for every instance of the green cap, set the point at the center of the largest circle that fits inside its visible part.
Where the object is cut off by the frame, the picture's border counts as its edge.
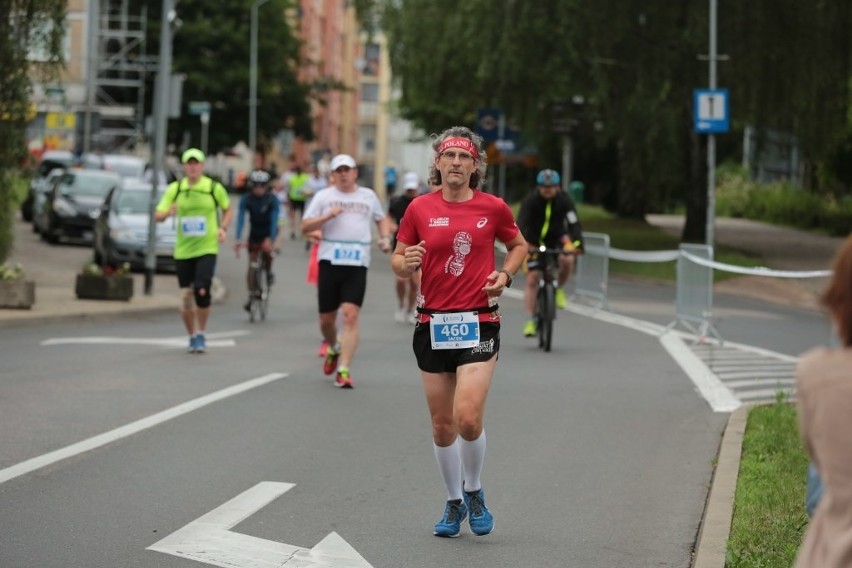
(192, 154)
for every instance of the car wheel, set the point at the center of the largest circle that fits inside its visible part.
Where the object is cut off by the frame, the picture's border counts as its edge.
(51, 236)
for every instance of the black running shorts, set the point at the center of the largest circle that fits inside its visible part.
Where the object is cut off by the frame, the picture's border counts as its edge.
(337, 284)
(196, 272)
(447, 360)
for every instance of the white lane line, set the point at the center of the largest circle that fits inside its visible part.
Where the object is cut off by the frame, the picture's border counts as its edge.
(718, 396)
(221, 339)
(39, 462)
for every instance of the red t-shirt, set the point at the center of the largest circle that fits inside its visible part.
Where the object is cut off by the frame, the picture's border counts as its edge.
(459, 246)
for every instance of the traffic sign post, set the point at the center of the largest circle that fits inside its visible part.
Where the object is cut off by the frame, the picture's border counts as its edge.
(198, 108)
(711, 111)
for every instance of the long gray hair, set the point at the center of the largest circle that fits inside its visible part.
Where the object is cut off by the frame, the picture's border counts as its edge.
(477, 178)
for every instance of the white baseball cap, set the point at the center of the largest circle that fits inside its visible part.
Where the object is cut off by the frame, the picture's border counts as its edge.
(342, 160)
(411, 181)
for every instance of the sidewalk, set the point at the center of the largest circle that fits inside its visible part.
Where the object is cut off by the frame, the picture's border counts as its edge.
(54, 270)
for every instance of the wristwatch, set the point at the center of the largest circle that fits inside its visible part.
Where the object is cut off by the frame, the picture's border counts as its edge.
(509, 276)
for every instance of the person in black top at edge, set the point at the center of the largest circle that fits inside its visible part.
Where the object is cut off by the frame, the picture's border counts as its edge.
(548, 217)
(263, 210)
(407, 288)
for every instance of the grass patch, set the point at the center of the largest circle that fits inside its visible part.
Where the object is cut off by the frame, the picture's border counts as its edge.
(769, 506)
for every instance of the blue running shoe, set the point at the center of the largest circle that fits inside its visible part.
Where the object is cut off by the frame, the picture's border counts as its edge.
(193, 346)
(481, 521)
(200, 344)
(450, 523)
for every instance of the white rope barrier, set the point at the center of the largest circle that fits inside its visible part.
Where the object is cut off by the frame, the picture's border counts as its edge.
(642, 256)
(757, 270)
(670, 255)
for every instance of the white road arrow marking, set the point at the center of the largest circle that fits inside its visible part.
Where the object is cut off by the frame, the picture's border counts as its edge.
(221, 339)
(41, 461)
(209, 539)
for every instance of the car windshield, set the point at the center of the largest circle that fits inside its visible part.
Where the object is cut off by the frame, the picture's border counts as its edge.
(133, 202)
(125, 166)
(49, 164)
(77, 183)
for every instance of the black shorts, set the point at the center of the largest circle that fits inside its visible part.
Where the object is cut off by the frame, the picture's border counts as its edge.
(297, 206)
(196, 272)
(448, 360)
(337, 284)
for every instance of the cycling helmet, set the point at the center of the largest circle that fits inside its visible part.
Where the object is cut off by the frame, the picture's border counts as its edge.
(547, 177)
(259, 178)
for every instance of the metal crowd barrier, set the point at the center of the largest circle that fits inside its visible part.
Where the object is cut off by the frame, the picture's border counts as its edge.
(694, 286)
(694, 292)
(591, 272)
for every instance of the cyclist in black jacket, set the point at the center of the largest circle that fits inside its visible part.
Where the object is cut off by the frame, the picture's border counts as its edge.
(548, 217)
(263, 210)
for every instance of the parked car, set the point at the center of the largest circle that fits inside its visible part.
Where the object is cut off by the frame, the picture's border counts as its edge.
(73, 203)
(121, 229)
(40, 197)
(125, 165)
(49, 161)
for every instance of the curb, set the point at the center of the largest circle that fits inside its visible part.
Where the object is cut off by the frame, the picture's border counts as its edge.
(716, 524)
(85, 316)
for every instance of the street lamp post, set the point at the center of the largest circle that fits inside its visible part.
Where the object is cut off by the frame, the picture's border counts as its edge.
(253, 81)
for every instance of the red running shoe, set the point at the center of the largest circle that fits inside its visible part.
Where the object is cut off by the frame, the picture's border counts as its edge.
(330, 363)
(323, 348)
(343, 380)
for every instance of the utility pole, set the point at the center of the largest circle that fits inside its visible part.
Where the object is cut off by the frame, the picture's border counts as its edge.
(92, 72)
(711, 138)
(253, 81)
(161, 111)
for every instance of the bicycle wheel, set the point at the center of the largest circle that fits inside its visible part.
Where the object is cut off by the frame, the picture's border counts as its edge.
(263, 289)
(254, 304)
(546, 313)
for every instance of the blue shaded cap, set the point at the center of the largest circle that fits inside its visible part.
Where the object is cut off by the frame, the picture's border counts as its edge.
(547, 177)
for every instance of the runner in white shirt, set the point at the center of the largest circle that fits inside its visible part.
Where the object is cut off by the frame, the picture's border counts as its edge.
(344, 212)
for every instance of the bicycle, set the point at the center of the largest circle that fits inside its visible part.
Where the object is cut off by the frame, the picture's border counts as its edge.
(260, 282)
(545, 300)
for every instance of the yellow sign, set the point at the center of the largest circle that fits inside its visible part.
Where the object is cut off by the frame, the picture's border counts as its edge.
(60, 121)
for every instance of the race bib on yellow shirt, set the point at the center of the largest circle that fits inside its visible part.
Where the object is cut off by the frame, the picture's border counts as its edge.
(193, 226)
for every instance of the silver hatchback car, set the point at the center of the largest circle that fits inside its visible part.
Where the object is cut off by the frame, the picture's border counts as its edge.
(121, 229)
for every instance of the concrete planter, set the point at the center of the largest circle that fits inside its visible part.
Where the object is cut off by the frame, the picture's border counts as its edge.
(95, 287)
(17, 294)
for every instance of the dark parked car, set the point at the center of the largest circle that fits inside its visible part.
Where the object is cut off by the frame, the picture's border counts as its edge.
(121, 230)
(73, 203)
(40, 197)
(51, 160)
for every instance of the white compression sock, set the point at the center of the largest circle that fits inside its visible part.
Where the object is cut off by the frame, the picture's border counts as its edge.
(449, 463)
(473, 458)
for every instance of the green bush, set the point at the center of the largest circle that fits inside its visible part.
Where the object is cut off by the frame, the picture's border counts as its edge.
(780, 203)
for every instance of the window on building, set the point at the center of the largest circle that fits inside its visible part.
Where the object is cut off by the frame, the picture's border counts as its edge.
(370, 93)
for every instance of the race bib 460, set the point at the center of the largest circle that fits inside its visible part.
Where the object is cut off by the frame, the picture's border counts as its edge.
(458, 330)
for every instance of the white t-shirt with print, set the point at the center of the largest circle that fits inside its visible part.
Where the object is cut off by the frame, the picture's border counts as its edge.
(347, 238)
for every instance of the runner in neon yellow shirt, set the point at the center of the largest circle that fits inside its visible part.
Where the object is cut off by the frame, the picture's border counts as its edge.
(195, 202)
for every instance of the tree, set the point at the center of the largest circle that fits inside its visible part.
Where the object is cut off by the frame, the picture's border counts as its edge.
(27, 27)
(789, 67)
(213, 53)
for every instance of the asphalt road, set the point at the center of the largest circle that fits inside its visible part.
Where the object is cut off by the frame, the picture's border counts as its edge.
(600, 453)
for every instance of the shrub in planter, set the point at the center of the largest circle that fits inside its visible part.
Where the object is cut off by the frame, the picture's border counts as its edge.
(15, 291)
(104, 283)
